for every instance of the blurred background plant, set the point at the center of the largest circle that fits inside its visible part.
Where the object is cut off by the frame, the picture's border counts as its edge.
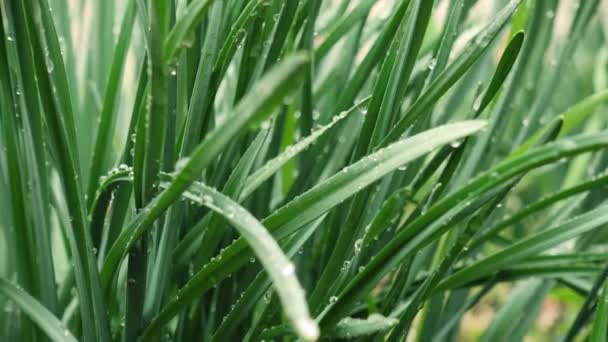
(271, 170)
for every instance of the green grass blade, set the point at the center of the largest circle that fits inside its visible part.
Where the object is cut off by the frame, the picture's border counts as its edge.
(54, 329)
(197, 115)
(505, 64)
(349, 328)
(317, 201)
(510, 314)
(580, 111)
(373, 57)
(400, 71)
(341, 136)
(254, 107)
(272, 166)
(176, 39)
(341, 27)
(591, 302)
(280, 269)
(157, 111)
(211, 228)
(452, 73)
(257, 289)
(415, 236)
(529, 246)
(59, 116)
(33, 163)
(599, 332)
(595, 183)
(101, 154)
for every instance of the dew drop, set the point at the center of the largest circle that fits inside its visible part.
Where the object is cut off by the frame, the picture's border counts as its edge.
(288, 270)
(181, 163)
(50, 66)
(358, 245)
(456, 144)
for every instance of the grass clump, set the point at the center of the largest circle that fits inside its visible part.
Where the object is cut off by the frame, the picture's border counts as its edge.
(281, 170)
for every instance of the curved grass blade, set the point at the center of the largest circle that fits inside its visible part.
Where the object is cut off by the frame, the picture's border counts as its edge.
(14, 174)
(418, 233)
(566, 121)
(449, 256)
(280, 269)
(156, 136)
(260, 176)
(582, 18)
(552, 266)
(235, 37)
(212, 226)
(529, 246)
(446, 329)
(258, 287)
(37, 313)
(101, 152)
(546, 133)
(316, 202)
(580, 111)
(278, 41)
(256, 106)
(101, 199)
(455, 18)
(487, 234)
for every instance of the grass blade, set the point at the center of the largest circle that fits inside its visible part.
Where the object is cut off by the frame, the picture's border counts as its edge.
(452, 73)
(415, 236)
(255, 107)
(599, 332)
(280, 269)
(37, 313)
(314, 203)
(355, 327)
(531, 245)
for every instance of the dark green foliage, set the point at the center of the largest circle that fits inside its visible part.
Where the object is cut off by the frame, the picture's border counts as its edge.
(318, 169)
